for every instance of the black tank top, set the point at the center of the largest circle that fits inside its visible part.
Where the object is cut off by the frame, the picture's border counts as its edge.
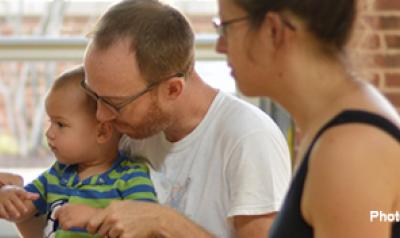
(290, 222)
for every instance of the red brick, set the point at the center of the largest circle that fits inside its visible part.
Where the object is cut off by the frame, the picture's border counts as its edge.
(361, 59)
(387, 4)
(387, 61)
(383, 22)
(394, 98)
(363, 5)
(392, 80)
(374, 79)
(371, 41)
(393, 41)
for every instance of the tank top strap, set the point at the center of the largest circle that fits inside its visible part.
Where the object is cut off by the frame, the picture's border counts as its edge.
(358, 116)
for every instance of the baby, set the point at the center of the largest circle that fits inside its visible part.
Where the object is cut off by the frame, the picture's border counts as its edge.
(89, 172)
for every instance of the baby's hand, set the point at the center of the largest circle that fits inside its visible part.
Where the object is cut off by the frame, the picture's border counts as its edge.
(12, 200)
(11, 179)
(75, 215)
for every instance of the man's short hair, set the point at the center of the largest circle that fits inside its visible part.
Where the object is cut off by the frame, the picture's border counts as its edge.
(160, 36)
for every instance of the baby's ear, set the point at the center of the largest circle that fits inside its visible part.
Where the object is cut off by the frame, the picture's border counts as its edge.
(104, 132)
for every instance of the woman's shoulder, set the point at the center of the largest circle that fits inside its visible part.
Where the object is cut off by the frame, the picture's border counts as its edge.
(352, 170)
(358, 153)
(367, 141)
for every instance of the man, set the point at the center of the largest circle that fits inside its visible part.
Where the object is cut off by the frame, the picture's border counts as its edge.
(221, 166)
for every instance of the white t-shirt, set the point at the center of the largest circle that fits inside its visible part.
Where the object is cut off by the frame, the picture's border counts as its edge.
(235, 162)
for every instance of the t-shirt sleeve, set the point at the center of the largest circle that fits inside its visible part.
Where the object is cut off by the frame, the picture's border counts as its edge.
(258, 173)
(136, 184)
(40, 186)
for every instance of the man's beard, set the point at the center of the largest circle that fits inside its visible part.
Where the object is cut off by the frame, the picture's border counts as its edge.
(152, 123)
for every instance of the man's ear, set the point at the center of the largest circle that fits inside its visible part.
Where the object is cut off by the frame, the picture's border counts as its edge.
(104, 132)
(173, 87)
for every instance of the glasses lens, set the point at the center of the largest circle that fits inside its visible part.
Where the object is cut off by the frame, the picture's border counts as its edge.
(111, 108)
(100, 101)
(88, 91)
(218, 26)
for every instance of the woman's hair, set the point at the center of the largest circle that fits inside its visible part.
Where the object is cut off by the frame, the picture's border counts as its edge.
(330, 21)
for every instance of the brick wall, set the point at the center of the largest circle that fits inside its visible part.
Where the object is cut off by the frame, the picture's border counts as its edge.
(376, 45)
(375, 48)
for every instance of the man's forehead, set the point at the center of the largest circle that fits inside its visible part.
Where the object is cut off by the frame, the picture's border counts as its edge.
(123, 43)
(118, 52)
(107, 74)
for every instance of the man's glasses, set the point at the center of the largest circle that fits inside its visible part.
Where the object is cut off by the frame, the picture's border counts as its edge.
(116, 107)
(221, 26)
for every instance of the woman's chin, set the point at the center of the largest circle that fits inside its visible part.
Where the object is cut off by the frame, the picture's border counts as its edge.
(250, 91)
(233, 74)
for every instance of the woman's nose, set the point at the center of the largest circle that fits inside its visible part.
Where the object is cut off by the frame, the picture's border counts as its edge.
(221, 45)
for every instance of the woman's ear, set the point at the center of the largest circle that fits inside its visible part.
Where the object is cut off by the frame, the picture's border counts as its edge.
(275, 28)
(104, 132)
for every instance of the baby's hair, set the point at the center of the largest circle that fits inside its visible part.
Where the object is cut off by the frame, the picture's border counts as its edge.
(72, 78)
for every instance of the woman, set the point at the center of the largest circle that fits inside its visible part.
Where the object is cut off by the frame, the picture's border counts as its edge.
(293, 51)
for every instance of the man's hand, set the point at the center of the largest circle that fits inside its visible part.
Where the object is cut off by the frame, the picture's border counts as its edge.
(11, 179)
(75, 215)
(13, 205)
(126, 219)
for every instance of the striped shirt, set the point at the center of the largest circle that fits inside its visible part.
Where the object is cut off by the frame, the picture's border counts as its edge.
(60, 184)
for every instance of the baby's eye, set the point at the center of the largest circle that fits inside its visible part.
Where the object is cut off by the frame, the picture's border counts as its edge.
(60, 124)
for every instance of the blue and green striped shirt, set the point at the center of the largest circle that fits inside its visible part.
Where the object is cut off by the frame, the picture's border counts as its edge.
(126, 179)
